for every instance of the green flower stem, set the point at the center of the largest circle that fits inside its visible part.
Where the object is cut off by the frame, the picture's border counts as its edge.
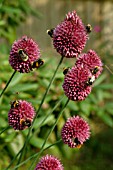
(48, 115)
(13, 159)
(41, 152)
(7, 84)
(42, 148)
(8, 127)
(108, 69)
(52, 79)
(30, 129)
(35, 155)
(34, 133)
(53, 144)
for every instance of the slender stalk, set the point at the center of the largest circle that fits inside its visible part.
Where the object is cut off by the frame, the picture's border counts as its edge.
(34, 133)
(42, 148)
(14, 159)
(49, 114)
(4, 129)
(53, 144)
(109, 69)
(7, 84)
(34, 155)
(54, 125)
(52, 79)
(30, 129)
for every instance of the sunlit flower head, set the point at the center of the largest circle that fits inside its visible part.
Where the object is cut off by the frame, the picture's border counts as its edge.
(23, 53)
(92, 61)
(49, 162)
(75, 132)
(77, 84)
(21, 114)
(70, 36)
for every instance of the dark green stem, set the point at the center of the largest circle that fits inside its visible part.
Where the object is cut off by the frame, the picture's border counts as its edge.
(49, 114)
(42, 148)
(35, 155)
(34, 132)
(30, 129)
(4, 130)
(49, 85)
(54, 124)
(14, 159)
(7, 84)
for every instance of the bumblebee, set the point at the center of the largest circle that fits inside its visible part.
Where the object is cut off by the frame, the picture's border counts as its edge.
(90, 80)
(88, 28)
(15, 104)
(96, 69)
(50, 32)
(22, 55)
(77, 142)
(65, 71)
(26, 122)
(37, 63)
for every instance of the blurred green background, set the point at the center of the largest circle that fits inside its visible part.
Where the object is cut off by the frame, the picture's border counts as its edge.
(33, 18)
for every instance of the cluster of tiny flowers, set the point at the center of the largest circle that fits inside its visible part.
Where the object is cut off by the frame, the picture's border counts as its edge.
(75, 132)
(92, 61)
(69, 39)
(70, 36)
(79, 79)
(49, 162)
(75, 83)
(23, 53)
(21, 114)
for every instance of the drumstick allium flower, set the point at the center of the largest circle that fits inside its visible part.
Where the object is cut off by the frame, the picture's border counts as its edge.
(49, 162)
(70, 36)
(75, 132)
(21, 114)
(76, 83)
(92, 61)
(23, 53)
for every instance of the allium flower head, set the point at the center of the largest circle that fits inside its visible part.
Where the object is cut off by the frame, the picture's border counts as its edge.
(49, 162)
(23, 53)
(76, 86)
(92, 61)
(75, 132)
(21, 114)
(70, 36)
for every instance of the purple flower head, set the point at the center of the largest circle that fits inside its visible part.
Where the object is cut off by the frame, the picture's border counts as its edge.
(75, 132)
(21, 114)
(70, 36)
(23, 53)
(49, 162)
(76, 83)
(92, 61)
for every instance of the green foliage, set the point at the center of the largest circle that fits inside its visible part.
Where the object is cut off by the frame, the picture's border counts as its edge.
(12, 14)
